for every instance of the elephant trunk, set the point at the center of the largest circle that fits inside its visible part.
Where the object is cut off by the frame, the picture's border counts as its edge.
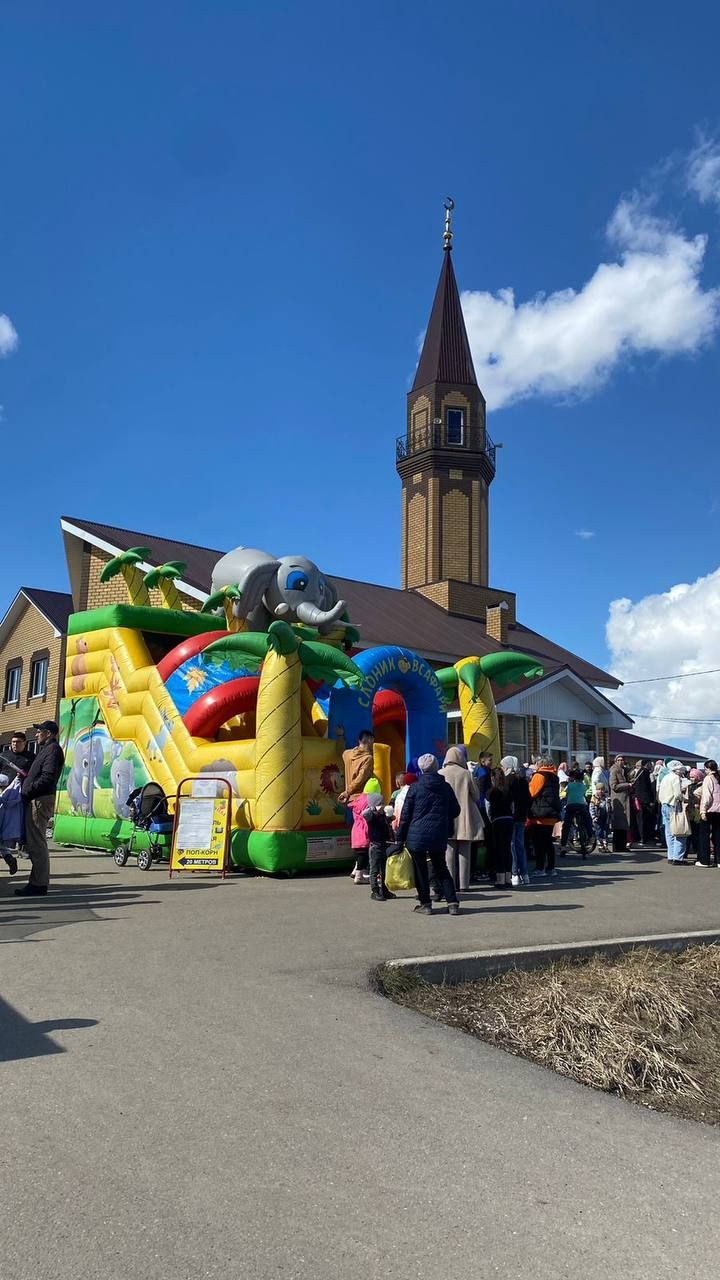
(320, 618)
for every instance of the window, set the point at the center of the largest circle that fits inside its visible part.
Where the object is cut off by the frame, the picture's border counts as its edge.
(515, 737)
(454, 730)
(454, 425)
(555, 740)
(38, 678)
(587, 743)
(12, 684)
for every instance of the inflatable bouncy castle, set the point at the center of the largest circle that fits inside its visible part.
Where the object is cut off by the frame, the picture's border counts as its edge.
(264, 688)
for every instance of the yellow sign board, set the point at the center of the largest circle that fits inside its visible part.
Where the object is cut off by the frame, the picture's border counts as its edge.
(200, 838)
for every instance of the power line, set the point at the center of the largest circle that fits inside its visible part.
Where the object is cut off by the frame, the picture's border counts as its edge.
(683, 675)
(640, 715)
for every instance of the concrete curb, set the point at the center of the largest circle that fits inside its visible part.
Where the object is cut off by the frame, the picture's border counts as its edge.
(466, 966)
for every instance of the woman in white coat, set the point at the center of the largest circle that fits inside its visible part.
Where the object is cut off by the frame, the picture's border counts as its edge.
(469, 825)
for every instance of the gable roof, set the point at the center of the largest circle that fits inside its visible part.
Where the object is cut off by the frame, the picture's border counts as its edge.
(385, 615)
(633, 747)
(55, 607)
(446, 356)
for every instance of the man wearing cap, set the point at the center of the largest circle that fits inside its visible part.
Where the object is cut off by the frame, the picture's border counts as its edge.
(38, 792)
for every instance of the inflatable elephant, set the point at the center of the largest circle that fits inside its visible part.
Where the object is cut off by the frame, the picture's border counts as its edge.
(291, 588)
(87, 761)
(122, 778)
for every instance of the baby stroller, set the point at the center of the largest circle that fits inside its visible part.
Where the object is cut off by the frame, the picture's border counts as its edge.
(148, 809)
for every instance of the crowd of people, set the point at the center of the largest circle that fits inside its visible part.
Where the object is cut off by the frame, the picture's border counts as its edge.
(463, 821)
(28, 782)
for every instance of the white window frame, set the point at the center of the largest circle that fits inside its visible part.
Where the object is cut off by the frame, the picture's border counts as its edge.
(455, 738)
(10, 671)
(515, 748)
(562, 753)
(585, 754)
(37, 665)
(455, 444)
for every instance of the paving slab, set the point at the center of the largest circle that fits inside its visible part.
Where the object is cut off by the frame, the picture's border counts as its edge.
(198, 1081)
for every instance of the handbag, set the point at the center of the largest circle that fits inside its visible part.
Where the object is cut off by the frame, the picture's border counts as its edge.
(399, 872)
(679, 825)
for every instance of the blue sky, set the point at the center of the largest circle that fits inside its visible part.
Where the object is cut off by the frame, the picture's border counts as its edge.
(220, 233)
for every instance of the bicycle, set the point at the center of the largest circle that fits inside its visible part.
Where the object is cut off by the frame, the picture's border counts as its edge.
(581, 838)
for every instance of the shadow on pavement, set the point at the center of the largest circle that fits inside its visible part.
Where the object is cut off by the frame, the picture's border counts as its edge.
(20, 1038)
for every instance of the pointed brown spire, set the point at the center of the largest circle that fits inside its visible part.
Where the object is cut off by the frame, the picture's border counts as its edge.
(446, 351)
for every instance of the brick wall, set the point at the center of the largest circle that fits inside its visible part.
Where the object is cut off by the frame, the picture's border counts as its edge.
(94, 593)
(32, 637)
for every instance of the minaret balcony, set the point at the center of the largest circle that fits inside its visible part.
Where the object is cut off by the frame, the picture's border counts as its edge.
(475, 454)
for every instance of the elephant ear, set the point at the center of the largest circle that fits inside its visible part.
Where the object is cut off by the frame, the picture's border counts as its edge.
(250, 570)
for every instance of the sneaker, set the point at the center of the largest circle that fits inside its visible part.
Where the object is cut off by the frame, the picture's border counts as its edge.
(453, 908)
(437, 897)
(562, 852)
(352, 873)
(539, 875)
(515, 882)
(365, 877)
(425, 908)
(31, 891)
(697, 864)
(12, 863)
(387, 894)
(525, 879)
(553, 874)
(358, 878)
(377, 896)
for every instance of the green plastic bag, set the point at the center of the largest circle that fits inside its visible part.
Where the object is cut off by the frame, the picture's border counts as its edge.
(399, 872)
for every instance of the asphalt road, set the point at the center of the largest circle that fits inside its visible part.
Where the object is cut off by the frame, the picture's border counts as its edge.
(198, 1081)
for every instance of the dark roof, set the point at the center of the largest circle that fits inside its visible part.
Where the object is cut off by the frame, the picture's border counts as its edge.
(56, 605)
(629, 745)
(385, 615)
(446, 354)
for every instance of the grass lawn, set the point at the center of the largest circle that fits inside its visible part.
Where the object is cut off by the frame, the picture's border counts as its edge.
(644, 1025)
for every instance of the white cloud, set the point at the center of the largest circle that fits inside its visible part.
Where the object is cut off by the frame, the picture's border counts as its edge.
(585, 533)
(671, 634)
(567, 343)
(703, 171)
(8, 336)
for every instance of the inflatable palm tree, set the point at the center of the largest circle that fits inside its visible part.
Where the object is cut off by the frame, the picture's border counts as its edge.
(164, 577)
(286, 660)
(469, 681)
(126, 565)
(225, 599)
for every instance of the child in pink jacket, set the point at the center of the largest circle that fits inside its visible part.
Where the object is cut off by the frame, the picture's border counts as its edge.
(359, 836)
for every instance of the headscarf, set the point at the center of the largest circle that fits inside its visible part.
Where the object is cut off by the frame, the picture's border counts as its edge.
(676, 766)
(599, 762)
(454, 755)
(509, 764)
(427, 763)
(696, 775)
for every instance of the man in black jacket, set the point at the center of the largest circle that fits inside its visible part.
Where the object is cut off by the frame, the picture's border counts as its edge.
(17, 755)
(427, 822)
(38, 791)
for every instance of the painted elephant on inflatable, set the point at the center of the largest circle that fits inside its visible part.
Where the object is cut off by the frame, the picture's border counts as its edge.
(87, 761)
(291, 588)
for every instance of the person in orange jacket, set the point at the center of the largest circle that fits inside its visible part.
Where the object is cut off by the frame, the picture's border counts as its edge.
(545, 808)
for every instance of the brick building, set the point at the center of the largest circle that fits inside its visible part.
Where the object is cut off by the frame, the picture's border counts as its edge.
(445, 608)
(32, 659)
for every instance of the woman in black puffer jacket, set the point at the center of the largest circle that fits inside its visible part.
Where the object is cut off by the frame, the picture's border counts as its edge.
(426, 824)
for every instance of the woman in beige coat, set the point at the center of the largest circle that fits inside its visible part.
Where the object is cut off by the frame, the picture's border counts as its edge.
(469, 825)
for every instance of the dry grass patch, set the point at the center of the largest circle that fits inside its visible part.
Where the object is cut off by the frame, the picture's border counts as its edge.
(644, 1025)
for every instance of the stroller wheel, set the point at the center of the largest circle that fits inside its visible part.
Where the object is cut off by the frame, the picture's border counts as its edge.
(145, 859)
(121, 855)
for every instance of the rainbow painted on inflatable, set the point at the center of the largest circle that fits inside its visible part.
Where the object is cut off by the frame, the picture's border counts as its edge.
(165, 694)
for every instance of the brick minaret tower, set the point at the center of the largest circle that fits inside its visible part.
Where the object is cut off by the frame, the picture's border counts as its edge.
(445, 459)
